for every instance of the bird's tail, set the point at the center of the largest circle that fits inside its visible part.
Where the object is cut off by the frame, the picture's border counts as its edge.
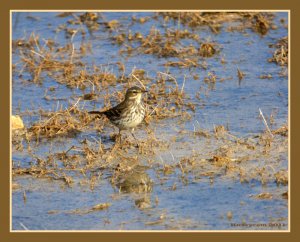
(95, 112)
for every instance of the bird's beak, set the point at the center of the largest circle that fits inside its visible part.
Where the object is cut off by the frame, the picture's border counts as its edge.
(144, 91)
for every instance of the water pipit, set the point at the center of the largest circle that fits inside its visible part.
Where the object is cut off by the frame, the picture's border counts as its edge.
(129, 113)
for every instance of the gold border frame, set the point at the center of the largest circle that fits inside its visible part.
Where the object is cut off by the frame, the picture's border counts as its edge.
(157, 5)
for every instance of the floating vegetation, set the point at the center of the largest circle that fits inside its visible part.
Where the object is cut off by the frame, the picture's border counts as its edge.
(263, 196)
(280, 55)
(207, 50)
(82, 211)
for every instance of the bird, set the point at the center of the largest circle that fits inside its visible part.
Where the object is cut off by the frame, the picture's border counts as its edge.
(128, 114)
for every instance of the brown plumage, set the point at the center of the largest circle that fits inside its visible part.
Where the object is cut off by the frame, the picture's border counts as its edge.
(129, 113)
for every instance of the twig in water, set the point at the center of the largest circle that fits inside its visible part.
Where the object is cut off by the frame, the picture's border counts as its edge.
(183, 85)
(57, 105)
(168, 75)
(74, 104)
(35, 41)
(73, 47)
(194, 128)
(265, 122)
(153, 110)
(172, 156)
(92, 85)
(72, 147)
(37, 54)
(163, 162)
(72, 54)
(23, 226)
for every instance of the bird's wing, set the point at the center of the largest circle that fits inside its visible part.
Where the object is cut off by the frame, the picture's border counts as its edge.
(115, 112)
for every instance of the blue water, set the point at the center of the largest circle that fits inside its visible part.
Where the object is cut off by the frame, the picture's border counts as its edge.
(199, 205)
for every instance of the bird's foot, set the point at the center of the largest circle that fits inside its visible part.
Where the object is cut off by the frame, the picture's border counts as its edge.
(136, 140)
(119, 138)
(116, 138)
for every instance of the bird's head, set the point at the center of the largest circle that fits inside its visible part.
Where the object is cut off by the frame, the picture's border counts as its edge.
(134, 94)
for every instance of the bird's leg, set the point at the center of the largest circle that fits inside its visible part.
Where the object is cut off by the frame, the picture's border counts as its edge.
(117, 140)
(137, 142)
(119, 137)
(133, 133)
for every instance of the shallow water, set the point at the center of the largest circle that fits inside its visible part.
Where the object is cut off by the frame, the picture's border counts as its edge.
(199, 204)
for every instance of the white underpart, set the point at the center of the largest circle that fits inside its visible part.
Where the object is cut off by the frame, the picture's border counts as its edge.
(139, 98)
(136, 117)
